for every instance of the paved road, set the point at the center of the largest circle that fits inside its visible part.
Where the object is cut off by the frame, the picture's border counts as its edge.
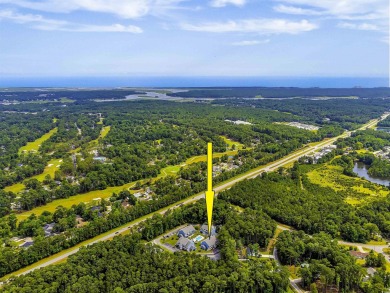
(271, 167)
(376, 248)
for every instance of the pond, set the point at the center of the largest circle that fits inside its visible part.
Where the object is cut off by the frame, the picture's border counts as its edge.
(362, 171)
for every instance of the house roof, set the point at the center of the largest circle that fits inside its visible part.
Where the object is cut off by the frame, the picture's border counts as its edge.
(188, 229)
(358, 254)
(205, 227)
(371, 271)
(27, 244)
(184, 241)
(210, 241)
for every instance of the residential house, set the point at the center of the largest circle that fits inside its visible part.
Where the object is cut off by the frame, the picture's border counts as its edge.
(186, 232)
(358, 254)
(209, 243)
(48, 228)
(204, 229)
(185, 244)
(27, 244)
(370, 273)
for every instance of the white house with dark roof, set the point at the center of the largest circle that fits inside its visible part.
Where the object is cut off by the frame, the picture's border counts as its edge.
(186, 231)
(185, 244)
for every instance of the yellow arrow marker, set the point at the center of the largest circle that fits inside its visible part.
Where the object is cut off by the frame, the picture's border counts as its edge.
(209, 192)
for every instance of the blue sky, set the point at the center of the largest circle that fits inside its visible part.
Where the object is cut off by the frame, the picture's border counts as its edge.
(194, 38)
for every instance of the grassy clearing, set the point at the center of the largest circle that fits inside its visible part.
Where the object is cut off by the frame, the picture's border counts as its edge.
(358, 190)
(34, 145)
(375, 242)
(105, 131)
(203, 158)
(293, 271)
(169, 171)
(230, 143)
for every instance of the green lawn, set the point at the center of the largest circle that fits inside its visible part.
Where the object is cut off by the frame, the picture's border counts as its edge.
(230, 143)
(105, 131)
(34, 145)
(170, 170)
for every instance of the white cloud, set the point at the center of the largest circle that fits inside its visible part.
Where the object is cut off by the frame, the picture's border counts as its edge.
(41, 23)
(359, 26)
(223, 3)
(121, 8)
(343, 9)
(296, 10)
(261, 26)
(250, 43)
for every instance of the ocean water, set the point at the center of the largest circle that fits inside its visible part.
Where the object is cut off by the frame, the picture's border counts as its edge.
(180, 81)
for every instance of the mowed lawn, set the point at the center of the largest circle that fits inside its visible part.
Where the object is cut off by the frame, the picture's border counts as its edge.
(34, 145)
(230, 143)
(105, 130)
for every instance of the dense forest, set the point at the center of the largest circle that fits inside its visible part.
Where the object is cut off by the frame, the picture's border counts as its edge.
(348, 114)
(137, 267)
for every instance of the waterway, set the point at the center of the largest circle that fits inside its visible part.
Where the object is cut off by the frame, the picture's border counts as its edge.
(362, 171)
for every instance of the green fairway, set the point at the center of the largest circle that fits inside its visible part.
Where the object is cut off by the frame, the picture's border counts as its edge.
(105, 131)
(170, 170)
(52, 166)
(34, 145)
(230, 143)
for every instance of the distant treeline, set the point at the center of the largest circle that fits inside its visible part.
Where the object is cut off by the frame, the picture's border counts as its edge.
(52, 95)
(283, 92)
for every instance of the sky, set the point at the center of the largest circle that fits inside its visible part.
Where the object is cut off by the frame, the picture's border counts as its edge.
(294, 38)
